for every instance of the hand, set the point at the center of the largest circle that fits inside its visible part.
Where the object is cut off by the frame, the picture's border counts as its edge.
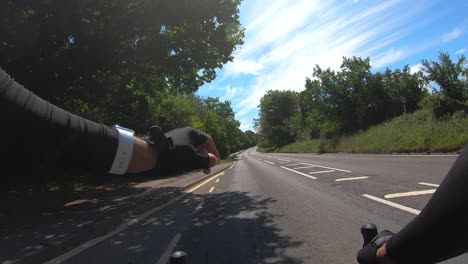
(374, 252)
(184, 149)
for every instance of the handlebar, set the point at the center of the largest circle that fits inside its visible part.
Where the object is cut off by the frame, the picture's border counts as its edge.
(368, 232)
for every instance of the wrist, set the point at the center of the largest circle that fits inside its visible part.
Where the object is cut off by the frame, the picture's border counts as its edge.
(143, 158)
(382, 256)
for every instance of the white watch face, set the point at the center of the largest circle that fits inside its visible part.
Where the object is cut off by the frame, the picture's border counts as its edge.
(124, 128)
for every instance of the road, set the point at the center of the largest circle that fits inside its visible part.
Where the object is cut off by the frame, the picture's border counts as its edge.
(277, 208)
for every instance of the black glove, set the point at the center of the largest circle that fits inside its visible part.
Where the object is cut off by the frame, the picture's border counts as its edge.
(176, 150)
(367, 255)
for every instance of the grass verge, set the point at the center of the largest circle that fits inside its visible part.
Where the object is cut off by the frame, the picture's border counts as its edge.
(415, 132)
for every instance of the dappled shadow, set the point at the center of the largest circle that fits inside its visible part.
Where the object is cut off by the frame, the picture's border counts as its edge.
(229, 227)
(234, 227)
(32, 232)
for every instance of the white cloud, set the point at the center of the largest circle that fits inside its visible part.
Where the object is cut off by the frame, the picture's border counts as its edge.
(242, 66)
(285, 42)
(245, 125)
(455, 33)
(460, 51)
(230, 93)
(416, 68)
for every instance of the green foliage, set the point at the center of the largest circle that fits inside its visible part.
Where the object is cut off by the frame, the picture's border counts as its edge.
(111, 60)
(278, 109)
(416, 132)
(338, 103)
(452, 79)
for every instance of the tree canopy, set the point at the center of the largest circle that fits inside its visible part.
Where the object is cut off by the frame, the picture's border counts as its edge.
(337, 103)
(129, 62)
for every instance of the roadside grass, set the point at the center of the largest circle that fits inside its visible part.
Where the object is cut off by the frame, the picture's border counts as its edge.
(415, 132)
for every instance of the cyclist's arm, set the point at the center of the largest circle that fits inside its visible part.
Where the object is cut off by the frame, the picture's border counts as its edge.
(440, 231)
(34, 131)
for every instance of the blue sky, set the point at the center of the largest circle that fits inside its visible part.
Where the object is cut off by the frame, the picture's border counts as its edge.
(284, 40)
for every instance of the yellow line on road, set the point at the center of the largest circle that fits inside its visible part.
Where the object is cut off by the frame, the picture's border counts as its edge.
(204, 182)
(211, 189)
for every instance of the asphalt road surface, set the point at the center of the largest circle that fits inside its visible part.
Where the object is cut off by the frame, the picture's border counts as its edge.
(277, 208)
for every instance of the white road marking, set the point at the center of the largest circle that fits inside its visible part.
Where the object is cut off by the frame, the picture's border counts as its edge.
(326, 167)
(352, 178)
(296, 164)
(300, 173)
(429, 184)
(392, 204)
(170, 248)
(268, 161)
(167, 253)
(232, 165)
(90, 243)
(404, 194)
(303, 167)
(318, 172)
(217, 180)
(283, 160)
(211, 189)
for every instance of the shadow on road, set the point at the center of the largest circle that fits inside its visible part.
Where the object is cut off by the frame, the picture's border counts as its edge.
(230, 227)
(33, 234)
(233, 227)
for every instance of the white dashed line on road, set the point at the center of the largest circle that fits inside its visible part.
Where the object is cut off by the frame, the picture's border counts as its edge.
(300, 173)
(392, 204)
(429, 184)
(352, 178)
(232, 165)
(268, 161)
(318, 172)
(284, 160)
(405, 194)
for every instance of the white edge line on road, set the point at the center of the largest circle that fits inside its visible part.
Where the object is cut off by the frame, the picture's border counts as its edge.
(90, 243)
(318, 172)
(404, 194)
(170, 248)
(204, 182)
(268, 161)
(300, 173)
(392, 204)
(429, 184)
(352, 178)
(310, 166)
(167, 253)
(284, 160)
(327, 167)
(232, 165)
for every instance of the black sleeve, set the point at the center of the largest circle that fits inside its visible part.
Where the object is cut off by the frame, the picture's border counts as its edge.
(440, 231)
(36, 134)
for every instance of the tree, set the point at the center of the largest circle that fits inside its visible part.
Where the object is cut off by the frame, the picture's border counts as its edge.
(452, 79)
(276, 110)
(85, 55)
